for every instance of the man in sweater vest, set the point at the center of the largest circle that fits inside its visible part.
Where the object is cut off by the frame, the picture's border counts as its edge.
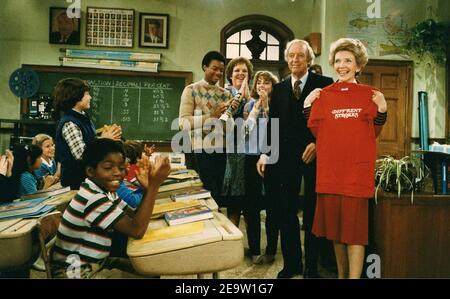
(202, 103)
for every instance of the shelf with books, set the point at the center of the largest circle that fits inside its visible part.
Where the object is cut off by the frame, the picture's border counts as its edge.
(115, 55)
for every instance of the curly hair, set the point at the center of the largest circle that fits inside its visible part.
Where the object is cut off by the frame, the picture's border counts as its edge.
(235, 61)
(352, 45)
(98, 149)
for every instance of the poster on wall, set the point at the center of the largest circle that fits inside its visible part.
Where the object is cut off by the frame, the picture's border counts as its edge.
(110, 27)
(382, 37)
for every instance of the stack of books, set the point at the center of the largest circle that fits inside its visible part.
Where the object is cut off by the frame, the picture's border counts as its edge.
(174, 184)
(188, 215)
(191, 195)
(25, 209)
(116, 60)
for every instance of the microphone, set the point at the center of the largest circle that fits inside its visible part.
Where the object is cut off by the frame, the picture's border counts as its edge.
(229, 112)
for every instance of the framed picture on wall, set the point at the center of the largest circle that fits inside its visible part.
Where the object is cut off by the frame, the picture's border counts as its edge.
(63, 28)
(110, 27)
(153, 30)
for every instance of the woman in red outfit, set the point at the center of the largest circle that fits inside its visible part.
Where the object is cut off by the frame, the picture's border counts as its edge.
(346, 118)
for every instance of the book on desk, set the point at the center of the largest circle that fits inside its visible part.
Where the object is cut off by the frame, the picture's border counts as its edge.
(188, 215)
(191, 195)
(25, 209)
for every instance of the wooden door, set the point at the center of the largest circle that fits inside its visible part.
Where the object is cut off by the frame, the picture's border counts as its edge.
(394, 79)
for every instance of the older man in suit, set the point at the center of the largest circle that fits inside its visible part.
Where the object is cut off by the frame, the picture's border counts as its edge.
(296, 159)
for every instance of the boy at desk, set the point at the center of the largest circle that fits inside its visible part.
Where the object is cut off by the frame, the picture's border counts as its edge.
(83, 243)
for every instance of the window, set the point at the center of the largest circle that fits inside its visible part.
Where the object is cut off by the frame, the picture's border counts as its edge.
(261, 39)
(240, 44)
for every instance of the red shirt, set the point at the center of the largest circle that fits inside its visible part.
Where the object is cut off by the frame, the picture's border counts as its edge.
(342, 121)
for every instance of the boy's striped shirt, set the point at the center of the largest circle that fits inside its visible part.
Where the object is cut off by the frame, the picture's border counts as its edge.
(87, 224)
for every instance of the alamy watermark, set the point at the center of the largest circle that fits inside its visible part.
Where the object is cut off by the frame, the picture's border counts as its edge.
(374, 9)
(374, 269)
(233, 136)
(74, 9)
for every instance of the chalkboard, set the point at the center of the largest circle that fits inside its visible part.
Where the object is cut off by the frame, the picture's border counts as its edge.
(144, 104)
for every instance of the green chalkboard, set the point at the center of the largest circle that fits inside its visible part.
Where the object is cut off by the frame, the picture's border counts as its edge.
(144, 104)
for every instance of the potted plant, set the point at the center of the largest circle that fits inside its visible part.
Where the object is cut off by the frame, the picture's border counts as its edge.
(429, 38)
(400, 175)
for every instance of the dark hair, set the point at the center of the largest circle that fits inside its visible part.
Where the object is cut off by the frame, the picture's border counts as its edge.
(98, 149)
(235, 61)
(316, 68)
(133, 150)
(68, 92)
(213, 55)
(24, 157)
(154, 22)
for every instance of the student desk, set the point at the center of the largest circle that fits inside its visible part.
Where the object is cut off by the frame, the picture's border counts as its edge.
(19, 243)
(218, 246)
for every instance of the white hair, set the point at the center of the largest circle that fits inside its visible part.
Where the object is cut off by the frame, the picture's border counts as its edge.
(311, 55)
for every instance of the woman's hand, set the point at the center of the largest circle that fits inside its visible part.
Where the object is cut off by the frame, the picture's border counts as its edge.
(263, 99)
(314, 95)
(245, 91)
(380, 101)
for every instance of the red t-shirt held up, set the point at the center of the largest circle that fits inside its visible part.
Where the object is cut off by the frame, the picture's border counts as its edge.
(342, 121)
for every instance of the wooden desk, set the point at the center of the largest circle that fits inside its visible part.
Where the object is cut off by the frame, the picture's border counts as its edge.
(218, 247)
(413, 240)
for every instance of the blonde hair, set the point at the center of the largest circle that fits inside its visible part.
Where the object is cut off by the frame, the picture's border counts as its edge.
(310, 51)
(352, 45)
(39, 139)
(266, 75)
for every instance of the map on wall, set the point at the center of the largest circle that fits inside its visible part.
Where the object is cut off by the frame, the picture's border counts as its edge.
(383, 36)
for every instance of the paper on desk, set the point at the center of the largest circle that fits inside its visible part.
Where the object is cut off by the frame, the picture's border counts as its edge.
(170, 232)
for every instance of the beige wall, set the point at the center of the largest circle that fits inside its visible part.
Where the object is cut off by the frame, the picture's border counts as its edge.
(430, 78)
(195, 29)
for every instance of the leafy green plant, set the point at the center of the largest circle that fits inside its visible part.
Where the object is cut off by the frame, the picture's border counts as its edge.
(429, 38)
(400, 175)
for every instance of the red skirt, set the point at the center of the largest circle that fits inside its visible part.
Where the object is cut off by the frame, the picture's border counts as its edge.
(342, 218)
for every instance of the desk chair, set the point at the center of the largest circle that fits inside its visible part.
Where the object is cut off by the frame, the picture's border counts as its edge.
(47, 228)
